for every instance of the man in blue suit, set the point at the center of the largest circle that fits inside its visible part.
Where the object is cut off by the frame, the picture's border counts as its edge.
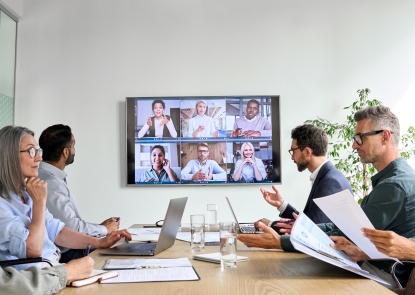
(308, 151)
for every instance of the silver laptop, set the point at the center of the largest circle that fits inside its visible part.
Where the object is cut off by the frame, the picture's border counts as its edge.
(166, 239)
(242, 229)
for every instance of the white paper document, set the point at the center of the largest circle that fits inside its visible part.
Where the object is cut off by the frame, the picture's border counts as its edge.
(209, 236)
(144, 234)
(310, 235)
(154, 275)
(308, 238)
(215, 257)
(349, 217)
(144, 231)
(116, 263)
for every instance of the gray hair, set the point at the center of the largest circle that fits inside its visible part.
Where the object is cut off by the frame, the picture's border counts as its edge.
(382, 118)
(11, 175)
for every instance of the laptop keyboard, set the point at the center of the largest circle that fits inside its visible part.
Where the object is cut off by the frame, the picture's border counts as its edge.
(144, 249)
(248, 229)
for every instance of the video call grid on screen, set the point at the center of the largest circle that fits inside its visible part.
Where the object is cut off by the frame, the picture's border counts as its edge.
(237, 140)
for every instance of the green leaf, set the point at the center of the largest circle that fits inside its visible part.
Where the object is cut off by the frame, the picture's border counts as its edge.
(339, 143)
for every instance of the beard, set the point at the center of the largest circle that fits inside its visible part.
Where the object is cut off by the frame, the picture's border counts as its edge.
(70, 160)
(302, 164)
(369, 160)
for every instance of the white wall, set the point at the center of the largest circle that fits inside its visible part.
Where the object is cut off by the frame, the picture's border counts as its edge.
(78, 60)
(14, 7)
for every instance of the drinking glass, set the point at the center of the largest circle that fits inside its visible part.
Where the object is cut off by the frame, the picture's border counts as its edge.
(211, 216)
(197, 233)
(228, 256)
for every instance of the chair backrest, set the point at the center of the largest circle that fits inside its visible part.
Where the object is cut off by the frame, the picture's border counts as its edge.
(24, 261)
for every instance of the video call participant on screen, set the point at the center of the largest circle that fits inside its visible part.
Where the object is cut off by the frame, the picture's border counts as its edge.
(201, 125)
(390, 204)
(58, 144)
(308, 151)
(203, 169)
(27, 229)
(250, 125)
(249, 168)
(160, 170)
(160, 125)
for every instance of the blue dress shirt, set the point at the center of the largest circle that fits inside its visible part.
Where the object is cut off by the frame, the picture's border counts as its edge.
(193, 166)
(15, 218)
(248, 171)
(150, 173)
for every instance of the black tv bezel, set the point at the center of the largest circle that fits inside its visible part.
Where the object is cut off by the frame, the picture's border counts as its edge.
(130, 120)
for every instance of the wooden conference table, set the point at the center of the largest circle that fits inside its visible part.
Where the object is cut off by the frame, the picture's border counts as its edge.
(266, 272)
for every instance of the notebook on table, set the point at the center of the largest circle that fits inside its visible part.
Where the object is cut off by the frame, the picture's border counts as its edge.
(96, 276)
(166, 239)
(242, 229)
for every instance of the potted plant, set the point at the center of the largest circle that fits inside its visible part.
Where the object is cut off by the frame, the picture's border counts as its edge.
(345, 158)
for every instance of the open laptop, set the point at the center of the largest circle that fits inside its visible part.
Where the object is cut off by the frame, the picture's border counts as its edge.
(166, 239)
(240, 228)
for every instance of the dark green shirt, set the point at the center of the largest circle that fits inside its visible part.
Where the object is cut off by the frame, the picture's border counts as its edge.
(389, 206)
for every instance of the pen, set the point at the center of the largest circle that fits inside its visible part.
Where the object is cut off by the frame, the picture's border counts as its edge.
(87, 250)
(288, 221)
(148, 266)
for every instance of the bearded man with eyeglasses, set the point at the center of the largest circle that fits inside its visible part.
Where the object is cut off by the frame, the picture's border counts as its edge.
(308, 151)
(391, 203)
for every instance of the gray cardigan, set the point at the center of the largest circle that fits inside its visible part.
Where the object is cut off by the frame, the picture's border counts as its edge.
(33, 280)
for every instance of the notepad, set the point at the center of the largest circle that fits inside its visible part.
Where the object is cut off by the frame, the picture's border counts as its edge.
(144, 234)
(97, 276)
(215, 257)
(170, 274)
(115, 263)
(148, 238)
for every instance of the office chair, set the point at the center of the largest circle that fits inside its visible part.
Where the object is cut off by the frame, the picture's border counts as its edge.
(405, 283)
(6, 263)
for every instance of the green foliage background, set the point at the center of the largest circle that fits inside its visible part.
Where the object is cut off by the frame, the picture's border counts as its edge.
(340, 145)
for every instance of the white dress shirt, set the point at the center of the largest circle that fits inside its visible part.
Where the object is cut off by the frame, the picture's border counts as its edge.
(313, 177)
(204, 121)
(193, 166)
(61, 203)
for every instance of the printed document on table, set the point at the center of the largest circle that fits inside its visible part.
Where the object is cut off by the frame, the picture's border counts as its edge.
(349, 217)
(209, 236)
(116, 263)
(144, 234)
(308, 238)
(144, 231)
(215, 257)
(154, 275)
(310, 235)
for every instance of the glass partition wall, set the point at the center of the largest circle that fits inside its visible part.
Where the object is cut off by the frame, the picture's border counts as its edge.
(8, 29)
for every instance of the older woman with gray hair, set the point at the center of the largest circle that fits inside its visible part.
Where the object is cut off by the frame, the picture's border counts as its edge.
(27, 229)
(249, 168)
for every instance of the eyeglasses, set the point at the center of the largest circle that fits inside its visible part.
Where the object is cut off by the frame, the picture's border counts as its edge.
(291, 151)
(358, 138)
(32, 152)
(202, 151)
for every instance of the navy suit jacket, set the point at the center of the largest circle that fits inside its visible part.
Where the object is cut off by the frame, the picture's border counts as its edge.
(329, 181)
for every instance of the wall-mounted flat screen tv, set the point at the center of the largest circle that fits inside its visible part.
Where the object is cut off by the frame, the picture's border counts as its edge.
(203, 140)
